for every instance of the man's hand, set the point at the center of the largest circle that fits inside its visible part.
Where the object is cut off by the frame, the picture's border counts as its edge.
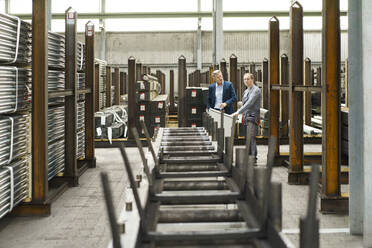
(234, 114)
(207, 110)
(223, 105)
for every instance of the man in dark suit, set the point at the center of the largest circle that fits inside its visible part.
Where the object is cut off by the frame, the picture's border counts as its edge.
(221, 94)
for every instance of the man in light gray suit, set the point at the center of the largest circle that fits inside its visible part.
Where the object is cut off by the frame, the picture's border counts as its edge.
(250, 109)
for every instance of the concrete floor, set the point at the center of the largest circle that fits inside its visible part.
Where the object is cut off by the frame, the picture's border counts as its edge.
(79, 217)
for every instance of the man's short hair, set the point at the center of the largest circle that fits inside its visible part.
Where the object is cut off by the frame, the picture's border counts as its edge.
(250, 75)
(215, 72)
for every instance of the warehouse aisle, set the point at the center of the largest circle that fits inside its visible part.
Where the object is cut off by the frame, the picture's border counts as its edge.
(78, 217)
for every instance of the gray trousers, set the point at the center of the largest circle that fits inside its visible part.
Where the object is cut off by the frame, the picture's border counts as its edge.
(253, 145)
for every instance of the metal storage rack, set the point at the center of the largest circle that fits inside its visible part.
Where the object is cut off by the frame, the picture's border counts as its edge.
(57, 110)
(15, 47)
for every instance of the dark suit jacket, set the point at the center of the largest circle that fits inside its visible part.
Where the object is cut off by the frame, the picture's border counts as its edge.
(228, 96)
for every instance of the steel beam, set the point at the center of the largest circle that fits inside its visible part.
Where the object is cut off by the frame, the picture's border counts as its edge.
(308, 94)
(273, 99)
(331, 161)
(131, 95)
(223, 69)
(296, 156)
(117, 87)
(71, 170)
(96, 87)
(234, 75)
(108, 87)
(284, 75)
(202, 14)
(265, 83)
(181, 91)
(171, 91)
(40, 103)
(122, 83)
(89, 98)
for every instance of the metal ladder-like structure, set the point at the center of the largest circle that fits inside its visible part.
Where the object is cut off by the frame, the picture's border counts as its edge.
(199, 198)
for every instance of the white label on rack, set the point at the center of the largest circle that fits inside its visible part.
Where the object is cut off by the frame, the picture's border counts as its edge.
(143, 107)
(193, 111)
(142, 96)
(157, 119)
(103, 120)
(142, 118)
(143, 131)
(193, 125)
(142, 85)
(160, 105)
(99, 131)
(193, 93)
(89, 33)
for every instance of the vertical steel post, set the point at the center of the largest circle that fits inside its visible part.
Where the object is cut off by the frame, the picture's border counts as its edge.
(122, 83)
(71, 101)
(181, 90)
(117, 87)
(284, 75)
(89, 98)
(331, 99)
(131, 95)
(171, 90)
(265, 84)
(308, 93)
(108, 87)
(223, 69)
(96, 82)
(296, 134)
(234, 74)
(39, 102)
(273, 99)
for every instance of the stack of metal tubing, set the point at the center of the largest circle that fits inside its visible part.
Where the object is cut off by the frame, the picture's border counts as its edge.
(56, 50)
(14, 184)
(15, 40)
(102, 82)
(14, 137)
(80, 56)
(56, 139)
(80, 130)
(81, 81)
(14, 93)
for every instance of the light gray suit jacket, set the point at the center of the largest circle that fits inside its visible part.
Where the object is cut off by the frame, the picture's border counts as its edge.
(251, 105)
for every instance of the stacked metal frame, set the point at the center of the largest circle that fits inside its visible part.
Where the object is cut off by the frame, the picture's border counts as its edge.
(80, 56)
(80, 130)
(56, 81)
(15, 99)
(14, 184)
(56, 140)
(56, 158)
(14, 137)
(14, 92)
(81, 81)
(15, 40)
(102, 82)
(56, 51)
(56, 125)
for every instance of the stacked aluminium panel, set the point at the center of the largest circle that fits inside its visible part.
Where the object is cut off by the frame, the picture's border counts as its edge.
(102, 82)
(15, 40)
(56, 51)
(15, 133)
